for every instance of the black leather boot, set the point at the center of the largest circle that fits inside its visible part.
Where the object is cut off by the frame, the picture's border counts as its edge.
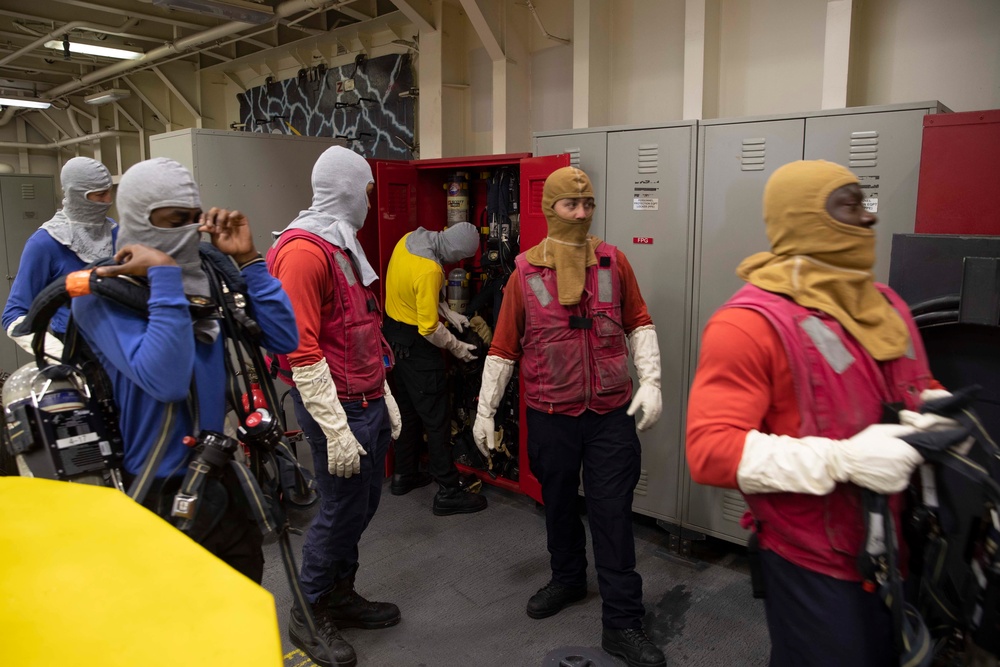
(453, 500)
(341, 653)
(633, 646)
(403, 484)
(552, 598)
(350, 610)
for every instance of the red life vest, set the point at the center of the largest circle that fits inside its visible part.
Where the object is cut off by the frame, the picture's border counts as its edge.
(574, 357)
(840, 390)
(350, 332)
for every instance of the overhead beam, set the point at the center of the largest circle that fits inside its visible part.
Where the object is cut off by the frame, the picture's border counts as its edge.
(235, 79)
(419, 12)
(163, 118)
(482, 16)
(173, 89)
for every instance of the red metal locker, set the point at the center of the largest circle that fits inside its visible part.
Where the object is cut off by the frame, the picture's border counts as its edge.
(960, 174)
(411, 194)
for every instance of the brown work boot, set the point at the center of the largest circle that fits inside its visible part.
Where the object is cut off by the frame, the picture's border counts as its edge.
(340, 654)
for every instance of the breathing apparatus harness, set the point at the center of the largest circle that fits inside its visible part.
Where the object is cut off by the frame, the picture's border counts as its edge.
(954, 537)
(273, 477)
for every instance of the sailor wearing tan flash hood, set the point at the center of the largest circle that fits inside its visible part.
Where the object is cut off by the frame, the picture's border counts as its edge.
(567, 311)
(786, 404)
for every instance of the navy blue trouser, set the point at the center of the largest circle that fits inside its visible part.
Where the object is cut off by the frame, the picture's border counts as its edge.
(608, 448)
(818, 621)
(330, 551)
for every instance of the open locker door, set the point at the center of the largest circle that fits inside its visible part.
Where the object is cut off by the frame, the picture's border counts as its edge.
(534, 171)
(393, 213)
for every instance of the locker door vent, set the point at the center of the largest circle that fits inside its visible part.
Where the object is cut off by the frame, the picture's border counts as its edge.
(642, 488)
(752, 154)
(649, 158)
(27, 190)
(398, 202)
(733, 506)
(574, 157)
(535, 189)
(864, 149)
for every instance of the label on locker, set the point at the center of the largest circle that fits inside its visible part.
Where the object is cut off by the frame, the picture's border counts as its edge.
(645, 201)
(870, 204)
(642, 240)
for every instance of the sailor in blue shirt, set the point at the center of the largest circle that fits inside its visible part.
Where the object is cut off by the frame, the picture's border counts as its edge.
(79, 233)
(154, 361)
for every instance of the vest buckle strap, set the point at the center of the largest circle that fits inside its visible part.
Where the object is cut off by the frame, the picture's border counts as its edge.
(577, 322)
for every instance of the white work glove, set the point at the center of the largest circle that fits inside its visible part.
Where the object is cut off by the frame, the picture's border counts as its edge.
(53, 346)
(928, 421)
(496, 375)
(446, 340)
(457, 320)
(646, 358)
(319, 396)
(875, 459)
(395, 419)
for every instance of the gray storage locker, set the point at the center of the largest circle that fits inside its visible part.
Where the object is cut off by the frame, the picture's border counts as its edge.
(267, 176)
(26, 202)
(736, 156)
(650, 216)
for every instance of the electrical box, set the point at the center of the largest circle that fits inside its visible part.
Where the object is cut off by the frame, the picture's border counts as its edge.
(26, 201)
(267, 176)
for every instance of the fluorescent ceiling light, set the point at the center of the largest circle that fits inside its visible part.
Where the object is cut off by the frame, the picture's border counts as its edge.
(106, 96)
(120, 53)
(24, 102)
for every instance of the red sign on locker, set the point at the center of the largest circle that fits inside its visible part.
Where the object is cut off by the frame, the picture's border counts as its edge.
(642, 240)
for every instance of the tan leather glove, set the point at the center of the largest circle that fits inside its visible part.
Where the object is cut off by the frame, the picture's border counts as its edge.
(496, 375)
(319, 396)
(395, 419)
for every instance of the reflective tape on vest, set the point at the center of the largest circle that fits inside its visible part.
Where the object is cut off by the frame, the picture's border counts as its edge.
(828, 343)
(537, 286)
(345, 268)
(604, 290)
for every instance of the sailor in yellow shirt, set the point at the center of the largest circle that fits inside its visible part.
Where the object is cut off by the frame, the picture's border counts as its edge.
(413, 327)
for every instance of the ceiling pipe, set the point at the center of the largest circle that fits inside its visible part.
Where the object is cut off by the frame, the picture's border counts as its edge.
(73, 122)
(97, 136)
(284, 10)
(62, 30)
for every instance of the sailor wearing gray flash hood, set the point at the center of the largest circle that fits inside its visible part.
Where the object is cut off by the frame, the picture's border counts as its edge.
(341, 399)
(159, 359)
(162, 183)
(79, 233)
(414, 308)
